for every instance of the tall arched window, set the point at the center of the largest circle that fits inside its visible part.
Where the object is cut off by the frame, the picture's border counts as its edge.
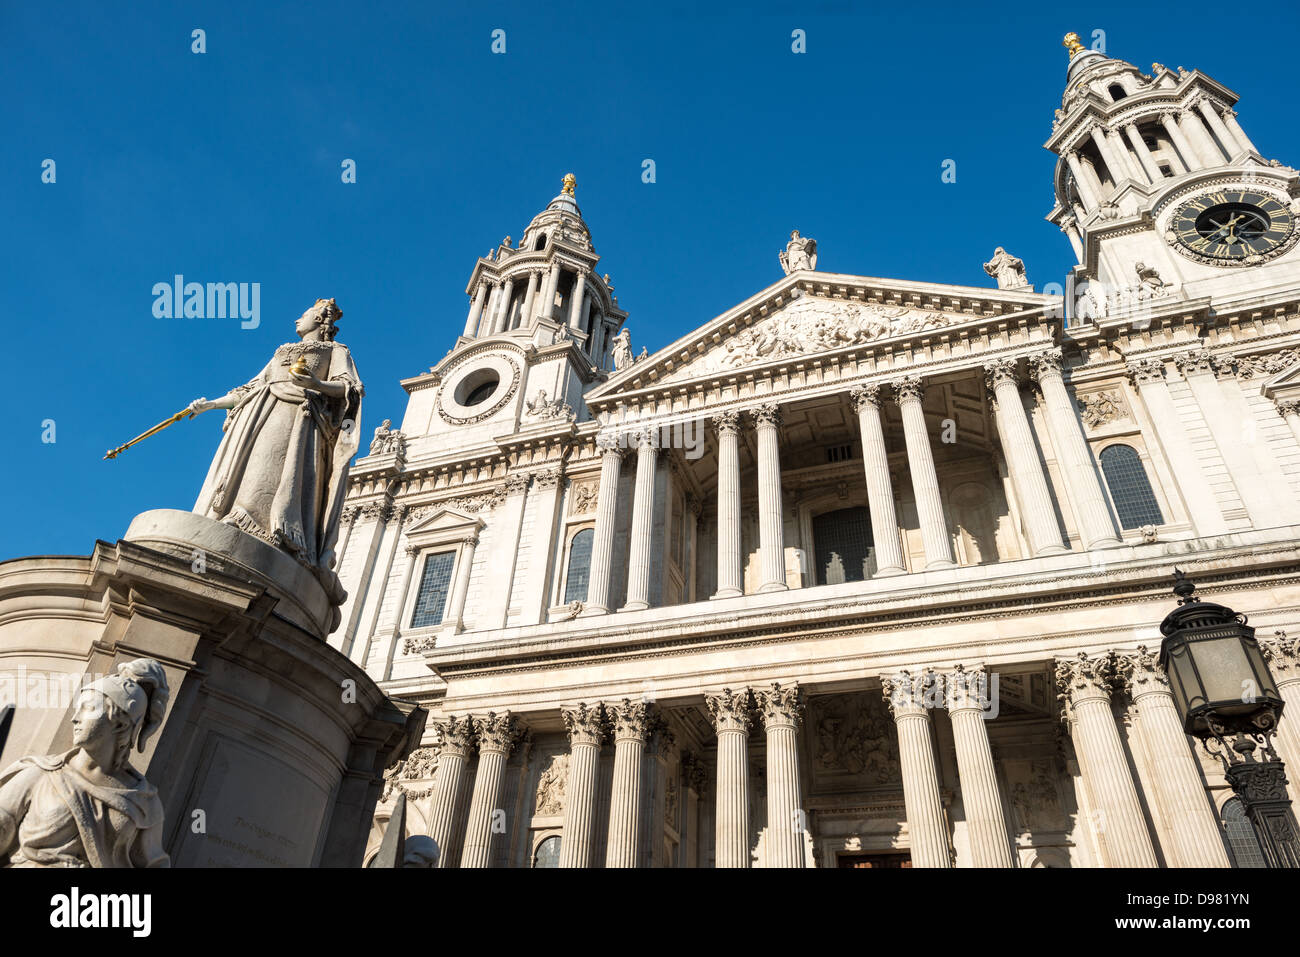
(547, 853)
(842, 541)
(1241, 836)
(575, 583)
(1130, 489)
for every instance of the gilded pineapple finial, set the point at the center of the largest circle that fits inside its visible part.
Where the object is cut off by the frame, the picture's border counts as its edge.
(1073, 44)
(570, 181)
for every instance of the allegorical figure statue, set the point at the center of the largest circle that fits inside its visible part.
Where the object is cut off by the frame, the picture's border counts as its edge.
(800, 253)
(1007, 269)
(280, 471)
(622, 350)
(1149, 285)
(88, 807)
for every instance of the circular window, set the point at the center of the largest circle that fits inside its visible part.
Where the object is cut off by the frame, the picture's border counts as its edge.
(477, 387)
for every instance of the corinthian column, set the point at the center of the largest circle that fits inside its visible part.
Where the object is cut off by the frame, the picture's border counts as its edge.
(925, 481)
(586, 727)
(602, 545)
(1022, 459)
(767, 419)
(731, 716)
(727, 427)
(457, 738)
(1176, 773)
(475, 310)
(880, 491)
(782, 709)
(632, 724)
(1283, 657)
(1096, 526)
(643, 517)
(907, 696)
(497, 734)
(967, 695)
(1289, 409)
(1121, 828)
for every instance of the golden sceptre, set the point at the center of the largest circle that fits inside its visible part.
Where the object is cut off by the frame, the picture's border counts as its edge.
(185, 413)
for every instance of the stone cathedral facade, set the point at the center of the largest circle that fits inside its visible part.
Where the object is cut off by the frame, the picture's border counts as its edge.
(862, 571)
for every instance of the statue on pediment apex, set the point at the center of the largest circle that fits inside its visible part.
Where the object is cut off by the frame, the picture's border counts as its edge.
(800, 253)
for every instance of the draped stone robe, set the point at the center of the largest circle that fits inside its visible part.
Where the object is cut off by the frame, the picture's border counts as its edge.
(280, 471)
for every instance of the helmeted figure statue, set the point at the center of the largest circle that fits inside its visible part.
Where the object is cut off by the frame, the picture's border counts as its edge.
(281, 469)
(800, 253)
(88, 807)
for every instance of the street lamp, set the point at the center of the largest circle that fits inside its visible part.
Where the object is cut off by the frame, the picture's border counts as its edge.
(1223, 689)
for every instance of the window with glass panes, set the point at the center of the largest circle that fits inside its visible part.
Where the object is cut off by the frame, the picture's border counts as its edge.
(575, 583)
(1130, 489)
(435, 583)
(842, 540)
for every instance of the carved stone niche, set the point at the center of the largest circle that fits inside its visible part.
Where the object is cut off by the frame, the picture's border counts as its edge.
(1034, 795)
(851, 743)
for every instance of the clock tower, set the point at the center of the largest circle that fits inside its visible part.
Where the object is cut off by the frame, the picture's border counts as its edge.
(1161, 192)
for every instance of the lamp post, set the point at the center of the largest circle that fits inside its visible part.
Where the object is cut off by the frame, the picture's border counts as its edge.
(1223, 689)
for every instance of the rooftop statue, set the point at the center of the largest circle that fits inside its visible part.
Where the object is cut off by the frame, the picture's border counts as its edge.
(280, 471)
(88, 807)
(800, 253)
(1007, 269)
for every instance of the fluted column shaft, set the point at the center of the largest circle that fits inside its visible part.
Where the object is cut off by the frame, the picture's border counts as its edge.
(880, 489)
(602, 546)
(767, 420)
(530, 297)
(1117, 172)
(503, 308)
(1143, 154)
(457, 736)
(926, 827)
(1228, 141)
(782, 710)
(1189, 156)
(549, 285)
(643, 516)
(586, 727)
(576, 299)
(475, 310)
(1192, 820)
(986, 824)
(490, 310)
(1283, 656)
(1096, 524)
(1089, 190)
(730, 582)
(1208, 151)
(632, 724)
(1120, 148)
(1230, 120)
(925, 480)
(1022, 460)
(732, 712)
(496, 737)
(1121, 828)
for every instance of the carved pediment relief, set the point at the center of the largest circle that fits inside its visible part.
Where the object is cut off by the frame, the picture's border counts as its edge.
(812, 325)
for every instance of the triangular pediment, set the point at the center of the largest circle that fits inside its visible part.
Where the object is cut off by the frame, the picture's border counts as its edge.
(1286, 384)
(811, 313)
(444, 521)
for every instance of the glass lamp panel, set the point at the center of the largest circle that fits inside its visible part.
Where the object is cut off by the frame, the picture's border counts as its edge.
(1224, 669)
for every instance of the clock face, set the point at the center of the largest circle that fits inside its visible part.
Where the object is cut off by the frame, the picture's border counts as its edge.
(1232, 226)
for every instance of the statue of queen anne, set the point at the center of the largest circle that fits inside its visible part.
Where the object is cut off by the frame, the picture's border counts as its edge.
(280, 472)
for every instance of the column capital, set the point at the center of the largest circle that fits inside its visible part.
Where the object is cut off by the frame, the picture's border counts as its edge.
(497, 731)
(906, 388)
(1286, 407)
(966, 689)
(912, 693)
(455, 735)
(781, 706)
(586, 724)
(516, 484)
(647, 439)
(1001, 371)
(612, 446)
(730, 710)
(1045, 363)
(1283, 657)
(865, 397)
(632, 720)
(1196, 360)
(1139, 673)
(726, 423)
(768, 415)
(1084, 677)
(1146, 371)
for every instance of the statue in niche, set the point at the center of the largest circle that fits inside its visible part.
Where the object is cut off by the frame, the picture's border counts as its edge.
(800, 253)
(88, 807)
(1007, 269)
(280, 471)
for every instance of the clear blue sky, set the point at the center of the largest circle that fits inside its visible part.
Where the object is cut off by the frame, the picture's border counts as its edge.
(225, 166)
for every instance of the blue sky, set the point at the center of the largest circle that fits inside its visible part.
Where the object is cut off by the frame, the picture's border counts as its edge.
(225, 167)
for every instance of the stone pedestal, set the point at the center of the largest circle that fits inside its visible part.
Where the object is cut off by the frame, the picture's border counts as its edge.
(275, 737)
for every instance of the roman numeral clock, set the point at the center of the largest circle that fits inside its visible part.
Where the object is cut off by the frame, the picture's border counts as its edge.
(1232, 227)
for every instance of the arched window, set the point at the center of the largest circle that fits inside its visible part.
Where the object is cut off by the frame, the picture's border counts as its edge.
(547, 853)
(1116, 92)
(1241, 836)
(575, 584)
(1130, 489)
(842, 541)
(539, 243)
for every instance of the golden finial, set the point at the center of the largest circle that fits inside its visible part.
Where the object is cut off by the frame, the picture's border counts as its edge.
(1071, 42)
(570, 181)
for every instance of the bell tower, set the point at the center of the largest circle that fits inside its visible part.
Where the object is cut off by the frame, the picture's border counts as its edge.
(1161, 192)
(539, 332)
